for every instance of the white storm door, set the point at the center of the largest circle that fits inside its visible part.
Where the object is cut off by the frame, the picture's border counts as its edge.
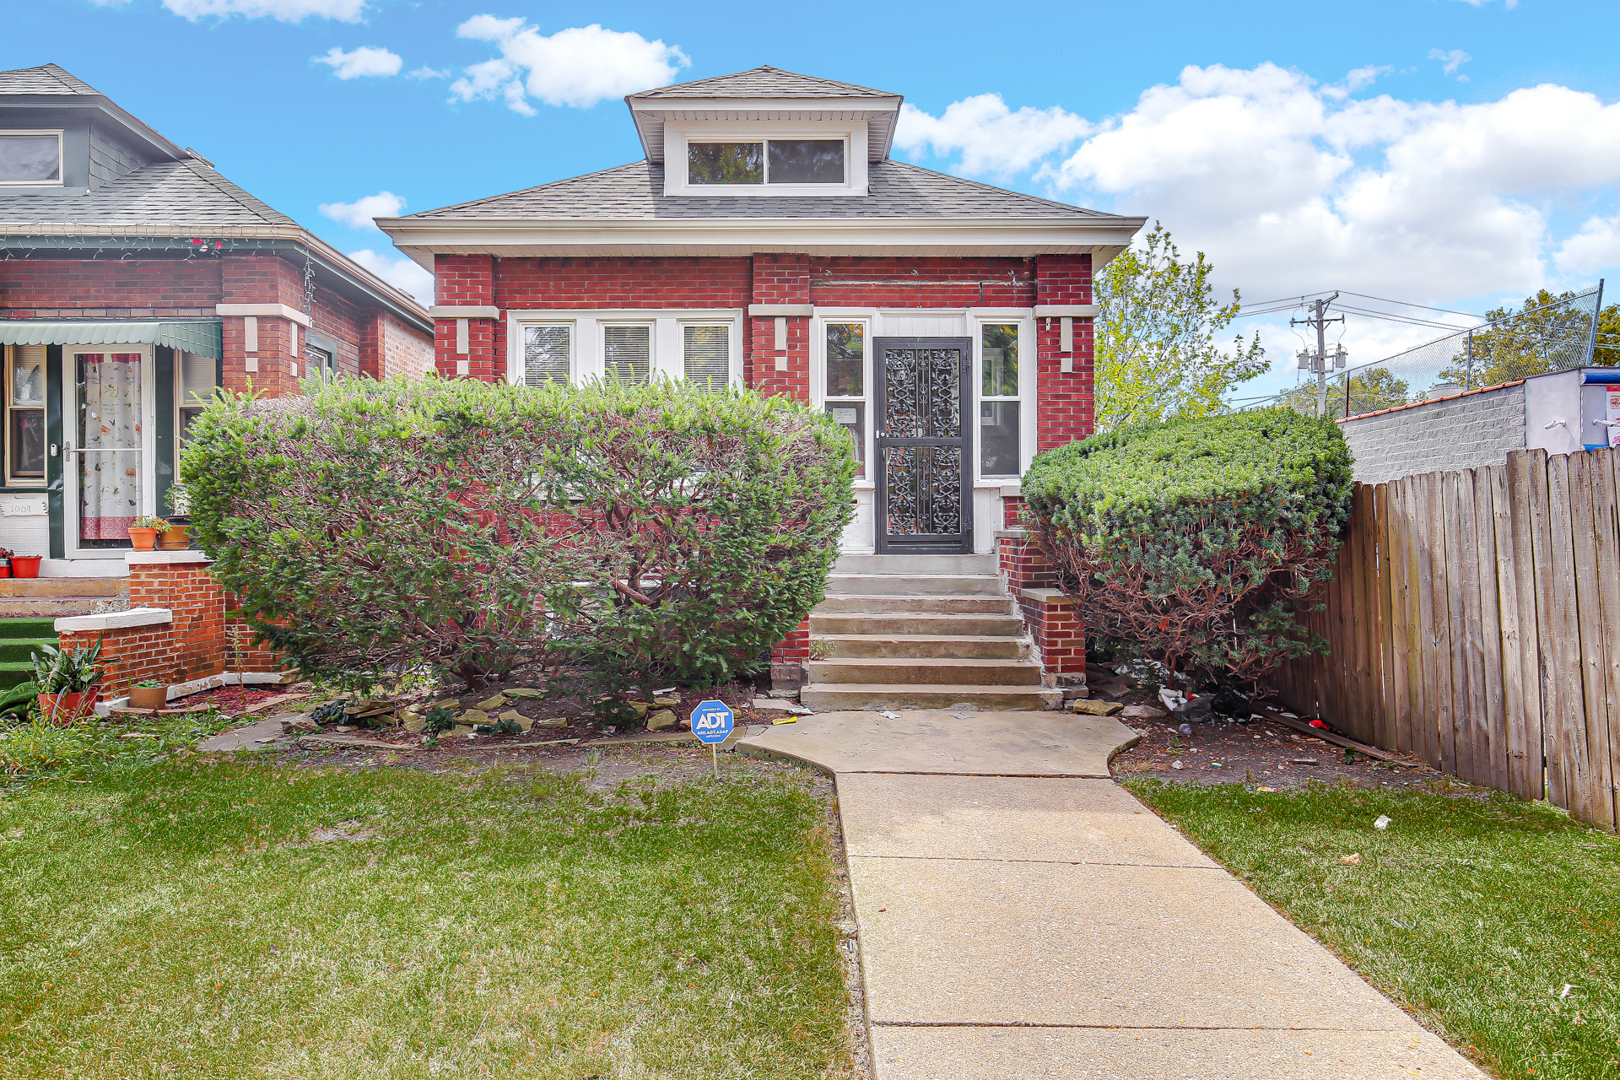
(108, 419)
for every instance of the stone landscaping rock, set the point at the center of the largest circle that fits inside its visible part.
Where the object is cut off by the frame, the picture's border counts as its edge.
(1094, 707)
(296, 722)
(527, 693)
(552, 722)
(415, 724)
(662, 719)
(460, 730)
(473, 716)
(492, 703)
(640, 707)
(1142, 712)
(666, 702)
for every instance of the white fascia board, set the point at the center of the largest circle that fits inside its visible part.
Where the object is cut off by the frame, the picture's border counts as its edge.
(421, 239)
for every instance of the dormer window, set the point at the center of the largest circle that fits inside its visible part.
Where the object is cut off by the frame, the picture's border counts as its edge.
(770, 161)
(30, 158)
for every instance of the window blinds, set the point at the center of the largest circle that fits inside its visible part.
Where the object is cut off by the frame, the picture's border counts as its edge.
(708, 356)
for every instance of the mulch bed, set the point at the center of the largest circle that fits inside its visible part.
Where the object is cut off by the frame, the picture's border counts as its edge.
(230, 700)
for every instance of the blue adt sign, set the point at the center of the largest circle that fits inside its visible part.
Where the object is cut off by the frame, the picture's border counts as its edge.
(712, 721)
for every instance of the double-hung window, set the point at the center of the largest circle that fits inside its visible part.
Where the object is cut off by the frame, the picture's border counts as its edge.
(706, 355)
(999, 412)
(846, 383)
(25, 415)
(548, 354)
(627, 352)
(30, 158)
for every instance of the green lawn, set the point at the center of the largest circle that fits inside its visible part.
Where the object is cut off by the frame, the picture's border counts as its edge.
(226, 920)
(1472, 911)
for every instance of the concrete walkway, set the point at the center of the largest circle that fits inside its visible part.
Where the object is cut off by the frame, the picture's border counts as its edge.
(1020, 916)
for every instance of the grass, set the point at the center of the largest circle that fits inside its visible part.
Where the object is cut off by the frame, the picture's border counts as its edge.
(37, 751)
(235, 920)
(1473, 911)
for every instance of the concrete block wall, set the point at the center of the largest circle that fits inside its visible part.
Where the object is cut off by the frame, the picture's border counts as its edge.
(1460, 432)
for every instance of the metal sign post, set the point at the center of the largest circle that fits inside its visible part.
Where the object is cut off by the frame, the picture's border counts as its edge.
(712, 723)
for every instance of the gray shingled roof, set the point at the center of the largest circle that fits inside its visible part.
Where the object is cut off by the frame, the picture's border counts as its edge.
(187, 194)
(763, 82)
(45, 79)
(635, 191)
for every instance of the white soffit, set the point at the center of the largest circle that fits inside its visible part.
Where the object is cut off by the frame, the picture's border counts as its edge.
(878, 113)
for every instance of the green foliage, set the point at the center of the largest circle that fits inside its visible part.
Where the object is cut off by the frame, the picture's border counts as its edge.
(147, 521)
(19, 700)
(1539, 338)
(1197, 539)
(60, 672)
(1156, 356)
(467, 528)
(438, 720)
(1371, 390)
(36, 749)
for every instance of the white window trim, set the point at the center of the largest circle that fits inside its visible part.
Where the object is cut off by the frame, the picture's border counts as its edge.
(70, 434)
(677, 136)
(818, 372)
(7, 354)
(1024, 319)
(668, 347)
(517, 366)
(61, 165)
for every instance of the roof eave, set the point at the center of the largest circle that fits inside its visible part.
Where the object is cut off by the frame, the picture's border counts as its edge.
(644, 113)
(422, 238)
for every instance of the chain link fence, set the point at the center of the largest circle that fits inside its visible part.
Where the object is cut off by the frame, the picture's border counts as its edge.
(1535, 341)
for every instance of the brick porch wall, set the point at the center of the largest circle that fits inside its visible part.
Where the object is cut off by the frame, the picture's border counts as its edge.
(1055, 622)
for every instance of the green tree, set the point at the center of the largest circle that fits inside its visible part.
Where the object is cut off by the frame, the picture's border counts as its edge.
(1374, 389)
(1156, 356)
(1542, 336)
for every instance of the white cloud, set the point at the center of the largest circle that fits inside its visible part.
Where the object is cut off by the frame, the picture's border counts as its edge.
(1450, 61)
(429, 73)
(358, 214)
(284, 10)
(362, 61)
(1511, 4)
(1595, 247)
(1354, 80)
(1290, 191)
(399, 272)
(578, 66)
(992, 138)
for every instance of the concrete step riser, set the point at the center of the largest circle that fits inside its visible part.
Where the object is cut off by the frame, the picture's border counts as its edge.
(867, 647)
(959, 672)
(931, 605)
(914, 585)
(59, 607)
(916, 564)
(826, 698)
(70, 587)
(943, 625)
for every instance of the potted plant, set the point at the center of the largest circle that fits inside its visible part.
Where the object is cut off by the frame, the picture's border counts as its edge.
(5, 562)
(148, 694)
(25, 566)
(68, 682)
(145, 531)
(175, 538)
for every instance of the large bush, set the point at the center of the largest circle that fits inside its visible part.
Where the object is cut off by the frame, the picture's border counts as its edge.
(1197, 540)
(467, 527)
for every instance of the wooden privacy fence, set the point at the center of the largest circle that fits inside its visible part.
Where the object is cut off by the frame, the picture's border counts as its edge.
(1474, 622)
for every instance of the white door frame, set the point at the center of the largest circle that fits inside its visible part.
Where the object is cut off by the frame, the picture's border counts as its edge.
(72, 454)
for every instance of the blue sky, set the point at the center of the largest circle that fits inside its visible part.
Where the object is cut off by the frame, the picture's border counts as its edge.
(1445, 152)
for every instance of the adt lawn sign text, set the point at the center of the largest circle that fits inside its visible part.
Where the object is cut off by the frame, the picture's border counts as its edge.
(712, 723)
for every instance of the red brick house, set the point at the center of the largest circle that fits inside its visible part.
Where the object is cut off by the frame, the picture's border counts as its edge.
(135, 278)
(767, 239)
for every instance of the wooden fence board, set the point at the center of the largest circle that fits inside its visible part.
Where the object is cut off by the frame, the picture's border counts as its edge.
(1591, 740)
(1541, 554)
(1606, 512)
(1411, 621)
(1531, 739)
(1468, 635)
(1385, 592)
(1566, 720)
(1447, 683)
(1495, 720)
(1358, 671)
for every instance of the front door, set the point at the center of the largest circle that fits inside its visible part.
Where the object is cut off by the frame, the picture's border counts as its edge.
(924, 457)
(108, 458)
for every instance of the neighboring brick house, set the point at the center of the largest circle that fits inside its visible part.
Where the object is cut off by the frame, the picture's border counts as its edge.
(135, 278)
(767, 240)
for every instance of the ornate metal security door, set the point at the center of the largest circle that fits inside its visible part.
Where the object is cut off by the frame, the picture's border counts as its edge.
(924, 453)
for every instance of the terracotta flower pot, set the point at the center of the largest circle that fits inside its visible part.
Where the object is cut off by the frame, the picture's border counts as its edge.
(174, 539)
(64, 710)
(143, 539)
(5, 569)
(148, 697)
(25, 565)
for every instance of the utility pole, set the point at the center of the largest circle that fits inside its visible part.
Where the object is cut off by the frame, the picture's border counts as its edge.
(1318, 361)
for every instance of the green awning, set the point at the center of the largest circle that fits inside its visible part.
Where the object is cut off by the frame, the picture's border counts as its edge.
(204, 337)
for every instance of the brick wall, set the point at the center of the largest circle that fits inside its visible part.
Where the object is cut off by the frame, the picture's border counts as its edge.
(1054, 620)
(1065, 402)
(131, 654)
(1462, 432)
(922, 282)
(405, 350)
(109, 288)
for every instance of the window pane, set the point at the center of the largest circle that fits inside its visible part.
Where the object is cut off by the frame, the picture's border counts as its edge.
(708, 356)
(725, 163)
(28, 444)
(28, 374)
(998, 438)
(807, 161)
(187, 418)
(30, 159)
(851, 416)
(196, 379)
(1000, 361)
(846, 359)
(547, 351)
(627, 353)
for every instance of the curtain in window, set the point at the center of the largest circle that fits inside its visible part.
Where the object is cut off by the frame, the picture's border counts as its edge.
(109, 461)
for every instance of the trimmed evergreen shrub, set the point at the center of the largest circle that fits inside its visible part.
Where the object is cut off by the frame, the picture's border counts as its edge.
(1197, 540)
(646, 532)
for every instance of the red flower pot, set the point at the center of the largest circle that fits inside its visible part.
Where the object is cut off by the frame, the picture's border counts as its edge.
(25, 565)
(64, 710)
(143, 539)
(5, 569)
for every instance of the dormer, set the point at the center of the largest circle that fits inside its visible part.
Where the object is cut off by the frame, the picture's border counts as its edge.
(764, 133)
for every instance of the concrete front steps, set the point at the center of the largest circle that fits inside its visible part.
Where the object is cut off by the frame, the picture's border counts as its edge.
(57, 597)
(920, 631)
